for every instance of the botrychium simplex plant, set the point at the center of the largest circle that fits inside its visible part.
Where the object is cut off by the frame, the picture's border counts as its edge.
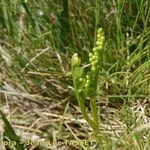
(86, 83)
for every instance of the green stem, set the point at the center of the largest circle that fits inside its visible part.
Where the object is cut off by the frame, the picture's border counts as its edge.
(94, 112)
(83, 110)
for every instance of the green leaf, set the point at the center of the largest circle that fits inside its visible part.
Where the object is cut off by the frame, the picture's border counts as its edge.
(77, 72)
(10, 133)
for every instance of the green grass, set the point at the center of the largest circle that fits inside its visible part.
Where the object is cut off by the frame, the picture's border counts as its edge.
(37, 41)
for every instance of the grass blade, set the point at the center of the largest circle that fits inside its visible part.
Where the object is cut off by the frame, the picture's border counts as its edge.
(10, 133)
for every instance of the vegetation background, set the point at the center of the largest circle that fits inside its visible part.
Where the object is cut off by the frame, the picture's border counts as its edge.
(37, 40)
